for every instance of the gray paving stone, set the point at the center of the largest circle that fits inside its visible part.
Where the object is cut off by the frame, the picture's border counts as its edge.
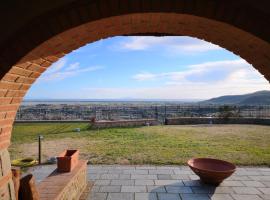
(145, 196)
(96, 171)
(167, 167)
(247, 184)
(102, 182)
(169, 182)
(265, 190)
(109, 176)
(164, 176)
(251, 168)
(194, 197)
(180, 171)
(160, 171)
(245, 197)
(121, 196)
(265, 196)
(192, 182)
(135, 171)
(194, 177)
(181, 177)
(97, 196)
(239, 178)
(224, 190)
(146, 167)
(231, 183)
(133, 189)
(253, 184)
(122, 182)
(124, 176)
(184, 167)
(203, 189)
(154, 188)
(266, 183)
(95, 188)
(178, 189)
(166, 196)
(144, 177)
(221, 197)
(110, 188)
(260, 178)
(93, 176)
(115, 171)
(246, 190)
(264, 169)
(144, 182)
(248, 173)
(123, 167)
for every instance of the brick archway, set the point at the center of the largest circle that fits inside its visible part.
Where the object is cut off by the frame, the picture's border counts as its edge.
(29, 50)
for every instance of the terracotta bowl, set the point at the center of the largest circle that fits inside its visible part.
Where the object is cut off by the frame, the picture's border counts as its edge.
(211, 171)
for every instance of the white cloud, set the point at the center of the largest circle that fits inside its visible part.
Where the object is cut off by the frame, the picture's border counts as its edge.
(56, 66)
(172, 44)
(73, 66)
(201, 81)
(61, 70)
(205, 72)
(145, 76)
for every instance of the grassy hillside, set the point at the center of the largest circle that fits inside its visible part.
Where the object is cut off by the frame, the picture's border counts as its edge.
(257, 98)
(241, 144)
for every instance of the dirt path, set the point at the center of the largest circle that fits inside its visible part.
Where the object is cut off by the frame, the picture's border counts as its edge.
(50, 148)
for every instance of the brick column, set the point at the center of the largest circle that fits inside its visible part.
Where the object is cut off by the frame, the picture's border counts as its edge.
(6, 183)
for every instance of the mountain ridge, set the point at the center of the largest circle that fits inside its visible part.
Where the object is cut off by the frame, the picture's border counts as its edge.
(255, 98)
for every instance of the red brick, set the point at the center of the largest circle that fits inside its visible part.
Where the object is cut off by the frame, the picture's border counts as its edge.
(6, 130)
(23, 65)
(35, 75)
(15, 93)
(4, 144)
(16, 100)
(10, 77)
(3, 93)
(9, 107)
(27, 80)
(5, 122)
(20, 71)
(25, 86)
(5, 100)
(37, 68)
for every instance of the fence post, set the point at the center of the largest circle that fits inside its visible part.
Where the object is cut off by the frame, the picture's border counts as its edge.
(40, 137)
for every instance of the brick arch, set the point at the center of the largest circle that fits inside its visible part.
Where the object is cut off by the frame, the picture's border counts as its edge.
(31, 49)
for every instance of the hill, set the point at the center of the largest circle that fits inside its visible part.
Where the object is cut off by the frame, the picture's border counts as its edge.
(256, 98)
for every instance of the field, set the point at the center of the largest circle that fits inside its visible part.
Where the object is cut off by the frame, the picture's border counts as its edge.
(240, 144)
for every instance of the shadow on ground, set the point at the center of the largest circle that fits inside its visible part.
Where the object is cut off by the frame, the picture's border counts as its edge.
(186, 190)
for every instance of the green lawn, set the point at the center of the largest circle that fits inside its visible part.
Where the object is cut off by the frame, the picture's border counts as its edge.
(240, 144)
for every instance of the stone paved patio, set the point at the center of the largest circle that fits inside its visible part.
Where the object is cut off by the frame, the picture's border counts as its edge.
(169, 183)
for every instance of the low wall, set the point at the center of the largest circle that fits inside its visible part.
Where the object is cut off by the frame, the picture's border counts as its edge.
(124, 123)
(50, 121)
(205, 120)
(64, 186)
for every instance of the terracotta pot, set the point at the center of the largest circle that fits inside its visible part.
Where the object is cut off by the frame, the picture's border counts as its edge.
(211, 171)
(67, 160)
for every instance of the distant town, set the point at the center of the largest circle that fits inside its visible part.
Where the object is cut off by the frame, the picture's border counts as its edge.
(254, 105)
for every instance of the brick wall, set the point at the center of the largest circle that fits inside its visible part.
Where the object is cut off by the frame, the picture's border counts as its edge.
(124, 123)
(204, 120)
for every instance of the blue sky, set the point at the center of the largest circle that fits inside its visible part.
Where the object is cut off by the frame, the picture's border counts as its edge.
(147, 68)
